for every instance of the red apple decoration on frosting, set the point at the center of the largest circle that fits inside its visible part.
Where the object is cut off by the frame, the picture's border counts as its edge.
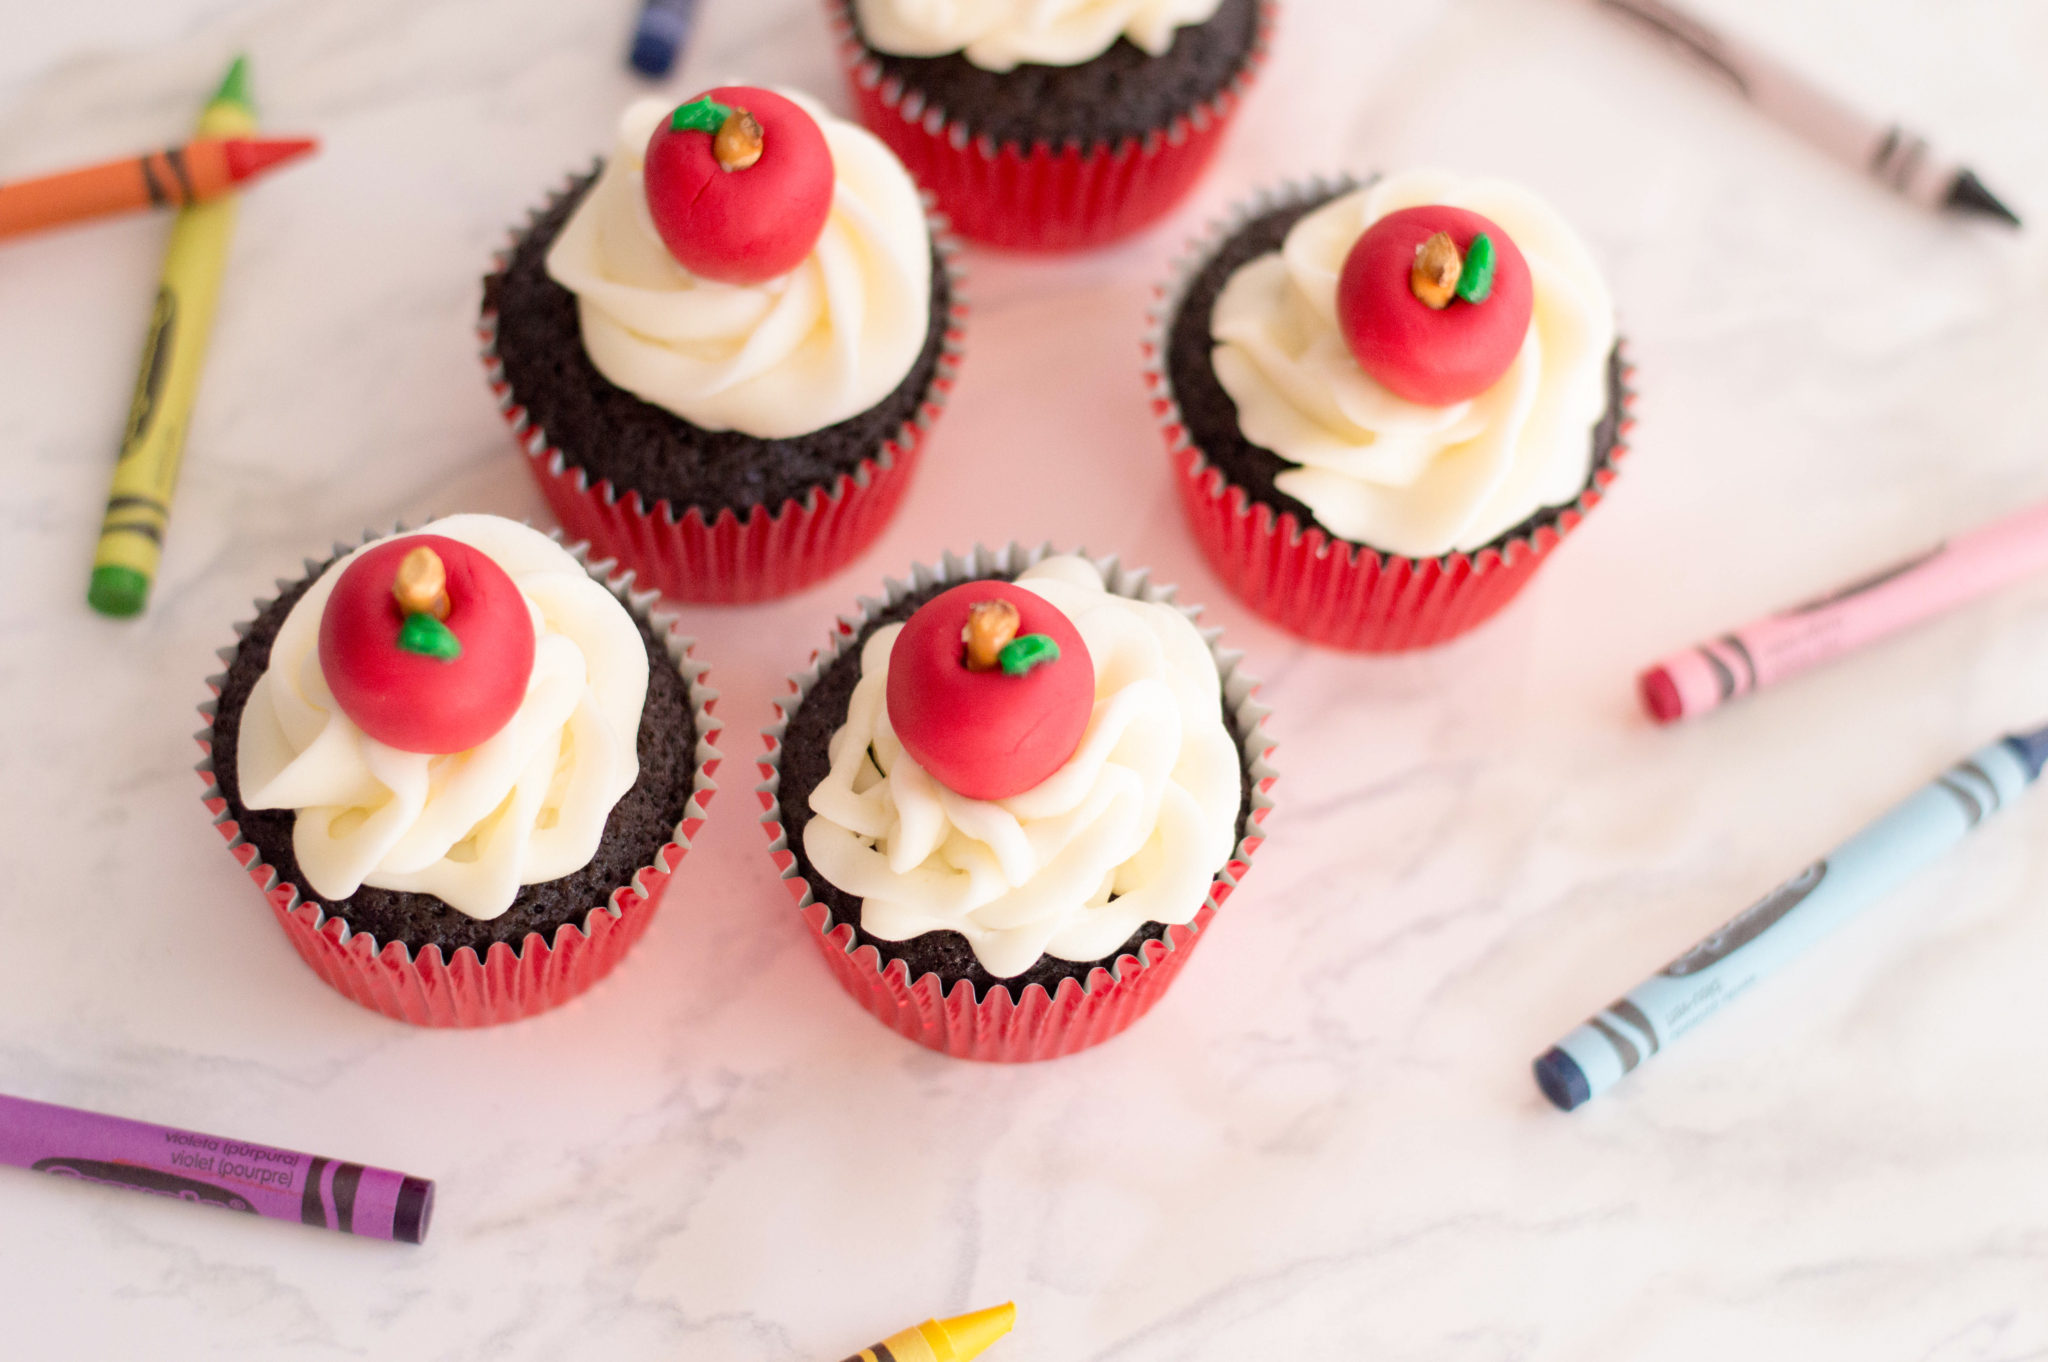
(426, 644)
(739, 182)
(990, 689)
(1435, 303)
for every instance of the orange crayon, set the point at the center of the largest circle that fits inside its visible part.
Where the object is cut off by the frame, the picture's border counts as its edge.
(174, 178)
(958, 1339)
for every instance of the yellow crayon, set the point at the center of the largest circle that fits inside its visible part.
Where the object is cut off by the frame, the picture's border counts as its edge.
(139, 506)
(944, 1340)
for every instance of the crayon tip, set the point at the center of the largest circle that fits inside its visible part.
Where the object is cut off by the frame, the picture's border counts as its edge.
(234, 86)
(117, 591)
(653, 54)
(246, 156)
(1967, 194)
(2030, 748)
(1562, 1080)
(1660, 694)
(971, 1335)
(414, 1212)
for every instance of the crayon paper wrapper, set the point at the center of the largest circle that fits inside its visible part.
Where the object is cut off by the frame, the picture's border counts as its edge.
(731, 559)
(1042, 198)
(1002, 1026)
(506, 984)
(1329, 590)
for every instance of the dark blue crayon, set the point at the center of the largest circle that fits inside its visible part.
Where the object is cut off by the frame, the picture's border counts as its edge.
(663, 29)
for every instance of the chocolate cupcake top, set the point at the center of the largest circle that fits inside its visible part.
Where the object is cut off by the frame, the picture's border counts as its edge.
(1109, 786)
(690, 295)
(999, 35)
(1432, 393)
(457, 727)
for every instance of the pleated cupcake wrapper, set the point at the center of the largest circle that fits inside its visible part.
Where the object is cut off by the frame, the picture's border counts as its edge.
(506, 984)
(1331, 590)
(1010, 1024)
(1042, 197)
(729, 559)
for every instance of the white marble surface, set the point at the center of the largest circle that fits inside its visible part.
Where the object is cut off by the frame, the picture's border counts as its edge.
(1324, 1143)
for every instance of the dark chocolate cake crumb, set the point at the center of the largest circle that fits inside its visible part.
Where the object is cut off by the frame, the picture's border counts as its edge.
(1210, 415)
(1126, 92)
(641, 823)
(638, 447)
(805, 762)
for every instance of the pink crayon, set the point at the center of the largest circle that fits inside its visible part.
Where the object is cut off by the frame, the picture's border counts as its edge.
(1787, 643)
(213, 1171)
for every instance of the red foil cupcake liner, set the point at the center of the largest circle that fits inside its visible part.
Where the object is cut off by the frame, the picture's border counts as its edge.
(1042, 198)
(428, 989)
(1330, 590)
(1002, 1025)
(729, 559)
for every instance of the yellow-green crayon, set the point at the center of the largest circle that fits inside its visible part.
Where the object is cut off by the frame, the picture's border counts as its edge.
(944, 1340)
(139, 506)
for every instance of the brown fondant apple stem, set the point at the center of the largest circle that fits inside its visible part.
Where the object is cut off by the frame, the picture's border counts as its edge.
(1435, 277)
(990, 625)
(737, 144)
(422, 584)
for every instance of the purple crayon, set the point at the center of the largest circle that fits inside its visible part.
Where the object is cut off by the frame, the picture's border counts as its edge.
(1768, 650)
(214, 1171)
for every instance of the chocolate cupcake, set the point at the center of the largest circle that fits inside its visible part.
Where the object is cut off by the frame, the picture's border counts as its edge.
(720, 374)
(1386, 404)
(461, 763)
(1052, 126)
(1006, 848)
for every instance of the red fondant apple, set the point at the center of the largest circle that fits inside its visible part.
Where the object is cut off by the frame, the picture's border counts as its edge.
(1430, 355)
(415, 701)
(736, 203)
(988, 734)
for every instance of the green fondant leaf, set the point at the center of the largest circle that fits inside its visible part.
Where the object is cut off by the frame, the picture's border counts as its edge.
(427, 636)
(699, 115)
(1026, 651)
(1475, 281)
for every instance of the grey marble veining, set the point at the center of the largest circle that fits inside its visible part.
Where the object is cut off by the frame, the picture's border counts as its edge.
(1324, 1143)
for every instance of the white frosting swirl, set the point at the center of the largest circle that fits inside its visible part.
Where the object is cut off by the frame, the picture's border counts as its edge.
(525, 806)
(997, 35)
(795, 354)
(1130, 830)
(1389, 473)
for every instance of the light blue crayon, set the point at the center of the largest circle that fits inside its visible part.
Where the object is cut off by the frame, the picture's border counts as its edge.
(1790, 918)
